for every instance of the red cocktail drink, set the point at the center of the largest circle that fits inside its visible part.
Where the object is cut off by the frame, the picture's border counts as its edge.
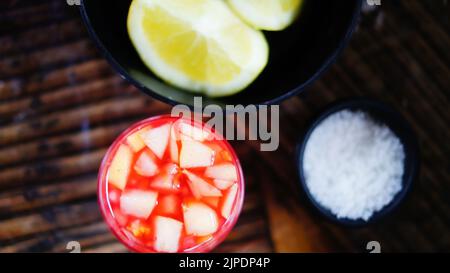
(170, 185)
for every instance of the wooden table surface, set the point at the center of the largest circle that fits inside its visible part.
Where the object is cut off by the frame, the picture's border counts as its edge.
(61, 105)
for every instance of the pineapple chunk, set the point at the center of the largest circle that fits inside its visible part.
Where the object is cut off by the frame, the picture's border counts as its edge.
(228, 201)
(135, 142)
(199, 219)
(195, 154)
(120, 167)
(164, 183)
(167, 234)
(157, 139)
(145, 165)
(193, 132)
(226, 171)
(138, 203)
(223, 184)
(173, 146)
(200, 188)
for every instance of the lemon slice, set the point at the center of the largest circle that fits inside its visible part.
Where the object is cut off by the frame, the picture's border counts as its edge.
(267, 14)
(197, 45)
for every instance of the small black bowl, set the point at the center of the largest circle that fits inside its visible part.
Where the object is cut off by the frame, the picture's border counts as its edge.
(384, 115)
(298, 55)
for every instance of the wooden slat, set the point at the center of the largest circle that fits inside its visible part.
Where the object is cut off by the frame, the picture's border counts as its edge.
(32, 14)
(29, 39)
(44, 81)
(61, 105)
(62, 216)
(51, 170)
(64, 98)
(35, 197)
(57, 241)
(51, 147)
(90, 115)
(72, 52)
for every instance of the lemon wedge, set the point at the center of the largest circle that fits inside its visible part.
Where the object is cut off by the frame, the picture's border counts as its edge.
(270, 15)
(197, 45)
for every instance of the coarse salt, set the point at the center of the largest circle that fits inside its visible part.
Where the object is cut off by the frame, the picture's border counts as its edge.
(352, 165)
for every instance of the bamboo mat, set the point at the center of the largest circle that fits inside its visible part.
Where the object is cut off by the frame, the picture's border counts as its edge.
(61, 105)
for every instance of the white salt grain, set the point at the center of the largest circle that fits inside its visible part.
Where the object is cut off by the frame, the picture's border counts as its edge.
(353, 166)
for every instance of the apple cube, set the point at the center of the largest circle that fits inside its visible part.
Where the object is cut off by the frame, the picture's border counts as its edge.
(199, 219)
(170, 168)
(195, 154)
(138, 203)
(164, 183)
(193, 132)
(157, 139)
(222, 184)
(226, 171)
(145, 165)
(120, 167)
(228, 201)
(200, 188)
(167, 234)
(173, 146)
(135, 142)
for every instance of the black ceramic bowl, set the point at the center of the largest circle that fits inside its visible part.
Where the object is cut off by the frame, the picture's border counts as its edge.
(384, 115)
(298, 55)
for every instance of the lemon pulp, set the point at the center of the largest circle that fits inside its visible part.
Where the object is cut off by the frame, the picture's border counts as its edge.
(271, 15)
(197, 45)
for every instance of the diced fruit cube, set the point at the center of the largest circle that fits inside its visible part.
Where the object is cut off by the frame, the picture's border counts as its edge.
(170, 168)
(167, 234)
(168, 205)
(222, 156)
(138, 203)
(120, 167)
(193, 132)
(200, 188)
(228, 201)
(216, 147)
(195, 154)
(211, 201)
(226, 171)
(164, 183)
(135, 142)
(223, 184)
(199, 219)
(157, 139)
(173, 146)
(145, 165)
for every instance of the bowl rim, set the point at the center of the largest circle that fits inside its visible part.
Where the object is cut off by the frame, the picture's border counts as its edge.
(412, 146)
(343, 43)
